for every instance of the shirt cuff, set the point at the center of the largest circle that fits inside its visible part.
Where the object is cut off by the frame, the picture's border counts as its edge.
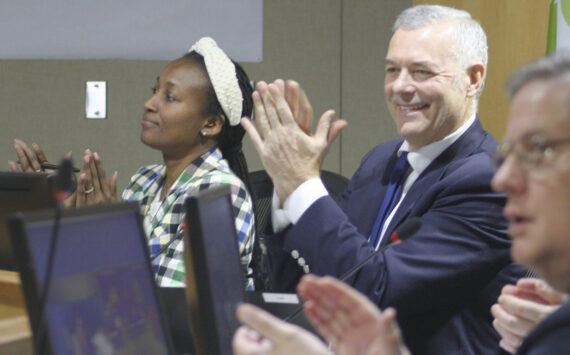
(296, 204)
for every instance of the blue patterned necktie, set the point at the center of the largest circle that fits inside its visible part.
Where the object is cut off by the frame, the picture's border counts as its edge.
(391, 198)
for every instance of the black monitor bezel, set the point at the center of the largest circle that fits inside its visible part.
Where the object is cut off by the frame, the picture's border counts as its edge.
(199, 286)
(36, 194)
(18, 233)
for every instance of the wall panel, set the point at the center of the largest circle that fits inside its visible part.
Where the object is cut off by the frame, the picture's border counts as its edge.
(334, 48)
(43, 100)
(367, 29)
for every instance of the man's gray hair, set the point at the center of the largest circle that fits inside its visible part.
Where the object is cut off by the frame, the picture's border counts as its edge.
(555, 67)
(470, 41)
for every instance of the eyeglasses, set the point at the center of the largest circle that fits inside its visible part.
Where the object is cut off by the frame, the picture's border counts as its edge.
(532, 153)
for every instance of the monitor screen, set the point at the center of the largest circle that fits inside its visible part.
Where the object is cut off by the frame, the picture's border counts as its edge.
(215, 280)
(20, 192)
(102, 298)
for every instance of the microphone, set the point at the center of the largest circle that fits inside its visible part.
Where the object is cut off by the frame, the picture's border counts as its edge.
(402, 232)
(63, 180)
(63, 186)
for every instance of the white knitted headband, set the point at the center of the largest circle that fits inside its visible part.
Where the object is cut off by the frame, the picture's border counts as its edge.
(222, 74)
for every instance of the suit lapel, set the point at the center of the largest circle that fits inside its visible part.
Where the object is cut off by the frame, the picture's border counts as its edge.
(462, 147)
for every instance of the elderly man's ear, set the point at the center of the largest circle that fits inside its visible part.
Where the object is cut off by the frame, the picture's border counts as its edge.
(476, 74)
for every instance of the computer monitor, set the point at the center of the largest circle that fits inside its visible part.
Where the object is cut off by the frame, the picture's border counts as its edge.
(214, 277)
(20, 192)
(102, 294)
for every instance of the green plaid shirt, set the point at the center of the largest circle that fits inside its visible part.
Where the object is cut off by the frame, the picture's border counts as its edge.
(164, 229)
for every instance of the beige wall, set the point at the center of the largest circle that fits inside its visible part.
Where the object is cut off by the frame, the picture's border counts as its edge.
(334, 48)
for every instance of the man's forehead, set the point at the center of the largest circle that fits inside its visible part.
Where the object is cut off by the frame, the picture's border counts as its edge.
(540, 107)
(445, 29)
(420, 47)
(414, 63)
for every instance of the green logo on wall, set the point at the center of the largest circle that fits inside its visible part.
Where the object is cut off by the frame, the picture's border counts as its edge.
(565, 4)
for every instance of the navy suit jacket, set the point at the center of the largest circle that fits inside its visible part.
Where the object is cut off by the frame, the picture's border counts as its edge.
(444, 279)
(551, 336)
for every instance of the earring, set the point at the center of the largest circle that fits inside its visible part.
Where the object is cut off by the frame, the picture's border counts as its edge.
(203, 133)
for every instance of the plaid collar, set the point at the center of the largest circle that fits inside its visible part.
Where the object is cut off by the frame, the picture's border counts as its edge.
(155, 176)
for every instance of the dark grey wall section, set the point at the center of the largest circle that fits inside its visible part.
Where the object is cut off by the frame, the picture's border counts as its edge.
(44, 102)
(367, 26)
(334, 48)
(301, 41)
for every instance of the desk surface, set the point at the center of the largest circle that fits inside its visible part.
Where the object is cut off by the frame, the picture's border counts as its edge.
(12, 301)
(15, 334)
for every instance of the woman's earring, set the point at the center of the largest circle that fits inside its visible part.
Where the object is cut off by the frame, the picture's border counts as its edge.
(203, 133)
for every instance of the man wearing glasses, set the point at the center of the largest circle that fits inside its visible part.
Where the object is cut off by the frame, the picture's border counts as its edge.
(534, 171)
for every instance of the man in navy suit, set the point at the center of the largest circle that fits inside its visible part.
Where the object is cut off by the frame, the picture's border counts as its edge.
(444, 279)
(533, 169)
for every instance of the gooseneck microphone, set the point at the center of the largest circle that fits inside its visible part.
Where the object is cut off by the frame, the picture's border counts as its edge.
(403, 232)
(61, 190)
(63, 180)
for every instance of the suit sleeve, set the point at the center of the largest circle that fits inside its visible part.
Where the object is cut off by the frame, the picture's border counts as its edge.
(460, 247)
(285, 272)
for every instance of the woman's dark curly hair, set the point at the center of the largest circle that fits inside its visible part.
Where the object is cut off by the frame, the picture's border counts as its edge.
(230, 144)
